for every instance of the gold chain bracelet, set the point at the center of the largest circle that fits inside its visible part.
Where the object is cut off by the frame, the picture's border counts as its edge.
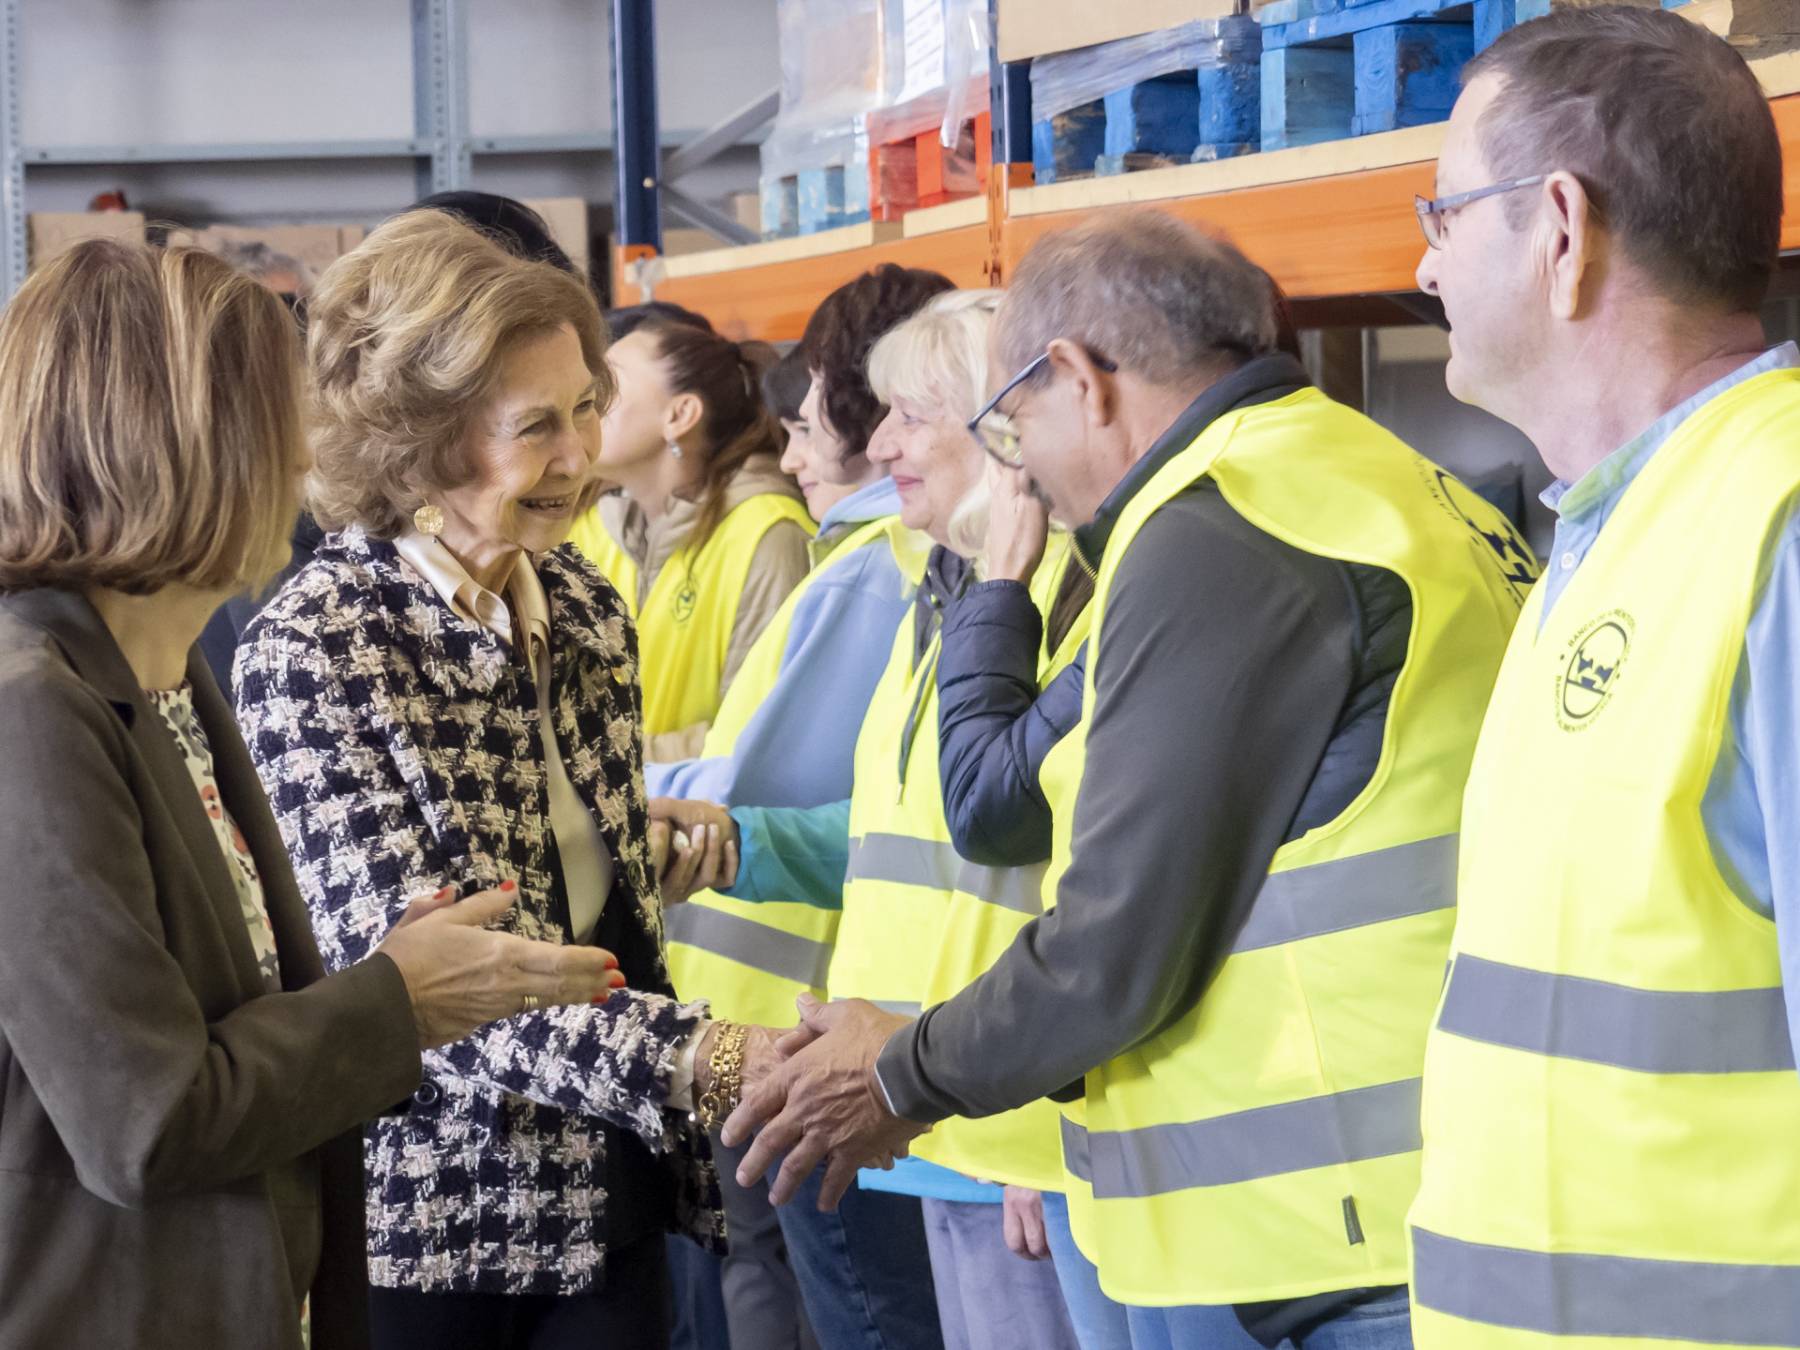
(726, 1065)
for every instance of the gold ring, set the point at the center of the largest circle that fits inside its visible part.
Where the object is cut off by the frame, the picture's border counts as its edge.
(532, 1003)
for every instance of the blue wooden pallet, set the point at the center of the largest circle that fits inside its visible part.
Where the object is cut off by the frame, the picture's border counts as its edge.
(1338, 68)
(813, 200)
(1208, 111)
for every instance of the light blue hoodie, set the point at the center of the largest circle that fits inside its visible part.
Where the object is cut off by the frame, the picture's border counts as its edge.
(798, 747)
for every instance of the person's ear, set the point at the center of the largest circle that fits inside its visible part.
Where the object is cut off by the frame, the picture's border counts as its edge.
(1569, 242)
(683, 413)
(1092, 388)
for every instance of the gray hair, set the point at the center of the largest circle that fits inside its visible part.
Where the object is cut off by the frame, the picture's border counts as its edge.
(1159, 298)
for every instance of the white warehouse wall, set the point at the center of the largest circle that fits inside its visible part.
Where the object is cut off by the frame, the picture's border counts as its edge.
(185, 71)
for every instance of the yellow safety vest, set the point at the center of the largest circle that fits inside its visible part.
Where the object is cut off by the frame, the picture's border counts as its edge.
(1265, 1146)
(1611, 1107)
(751, 961)
(986, 910)
(902, 864)
(685, 623)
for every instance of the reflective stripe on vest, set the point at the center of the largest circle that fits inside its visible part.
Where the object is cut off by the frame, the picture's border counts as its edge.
(1579, 1294)
(1647, 1030)
(787, 956)
(1345, 893)
(928, 862)
(1266, 1141)
(751, 961)
(1610, 1101)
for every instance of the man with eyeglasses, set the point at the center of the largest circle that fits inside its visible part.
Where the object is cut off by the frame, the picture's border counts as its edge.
(1249, 900)
(1611, 1106)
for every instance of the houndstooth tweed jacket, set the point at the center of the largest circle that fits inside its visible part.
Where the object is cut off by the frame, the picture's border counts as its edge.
(399, 745)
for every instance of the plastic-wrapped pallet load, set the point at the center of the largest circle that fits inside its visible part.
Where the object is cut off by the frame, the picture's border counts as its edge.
(815, 160)
(1190, 92)
(856, 74)
(923, 143)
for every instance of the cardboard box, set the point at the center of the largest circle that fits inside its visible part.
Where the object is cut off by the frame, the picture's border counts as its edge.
(52, 232)
(746, 208)
(1040, 27)
(681, 240)
(314, 247)
(567, 218)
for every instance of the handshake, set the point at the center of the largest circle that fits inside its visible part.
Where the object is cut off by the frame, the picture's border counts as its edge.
(694, 846)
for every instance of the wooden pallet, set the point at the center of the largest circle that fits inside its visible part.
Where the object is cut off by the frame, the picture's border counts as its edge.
(919, 171)
(1205, 113)
(814, 200)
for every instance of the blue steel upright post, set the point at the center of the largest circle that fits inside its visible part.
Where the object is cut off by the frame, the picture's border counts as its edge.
(1009, 105)
(637, 139)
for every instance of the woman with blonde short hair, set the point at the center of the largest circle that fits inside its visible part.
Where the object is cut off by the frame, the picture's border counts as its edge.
(448, 694)
(889, 856)
(183, 1078)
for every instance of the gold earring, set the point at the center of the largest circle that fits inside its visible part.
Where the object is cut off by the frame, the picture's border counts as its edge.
(429, 520)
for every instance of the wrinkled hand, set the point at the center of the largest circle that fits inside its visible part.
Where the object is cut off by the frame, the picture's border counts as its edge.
(823, 1103)
(461, 976)
(1023, 1219)
(703, 848)
(1018, 526)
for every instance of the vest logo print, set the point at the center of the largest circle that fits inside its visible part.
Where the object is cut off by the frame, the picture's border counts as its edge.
(1596, 655)
(1500, 544)
(685, 600)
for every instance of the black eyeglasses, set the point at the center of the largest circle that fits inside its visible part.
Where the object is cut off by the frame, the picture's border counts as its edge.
(1432, 211)
(995, 431)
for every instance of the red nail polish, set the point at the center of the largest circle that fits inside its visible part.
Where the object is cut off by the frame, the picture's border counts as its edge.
(443, 893)
(509, 885)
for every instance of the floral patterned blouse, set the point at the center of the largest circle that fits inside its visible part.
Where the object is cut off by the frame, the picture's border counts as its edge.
(176, 708)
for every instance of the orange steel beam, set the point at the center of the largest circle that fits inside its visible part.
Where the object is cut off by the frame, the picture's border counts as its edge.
(774, 302)
(1344, 235)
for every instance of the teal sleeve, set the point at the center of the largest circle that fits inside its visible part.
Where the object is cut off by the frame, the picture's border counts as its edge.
(792, 853)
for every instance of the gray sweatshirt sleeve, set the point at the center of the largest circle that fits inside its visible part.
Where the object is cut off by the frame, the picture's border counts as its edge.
(1226, 659)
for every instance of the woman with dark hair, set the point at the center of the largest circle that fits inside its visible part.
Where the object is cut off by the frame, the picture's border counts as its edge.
(784, 736)
(706, 537)
(624, 320)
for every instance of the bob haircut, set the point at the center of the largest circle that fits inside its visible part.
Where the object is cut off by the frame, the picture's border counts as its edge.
(938, 359)
(150, 424)
(406, 335)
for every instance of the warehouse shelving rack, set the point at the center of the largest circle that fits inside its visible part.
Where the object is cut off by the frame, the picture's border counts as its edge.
(442, 146)
(1333, 223)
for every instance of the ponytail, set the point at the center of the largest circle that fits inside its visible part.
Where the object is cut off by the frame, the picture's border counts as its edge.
(735, 426)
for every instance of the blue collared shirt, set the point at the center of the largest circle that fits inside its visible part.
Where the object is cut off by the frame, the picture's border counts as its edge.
(1752, 804)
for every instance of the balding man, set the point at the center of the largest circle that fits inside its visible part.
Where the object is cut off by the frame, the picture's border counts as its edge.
(1297, 623)
(1611, 1108)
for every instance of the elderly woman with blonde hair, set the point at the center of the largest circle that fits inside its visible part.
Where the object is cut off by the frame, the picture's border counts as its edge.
(446, 695)
(912, 879)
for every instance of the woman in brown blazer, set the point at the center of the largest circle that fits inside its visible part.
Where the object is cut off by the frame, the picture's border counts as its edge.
(180, 1081)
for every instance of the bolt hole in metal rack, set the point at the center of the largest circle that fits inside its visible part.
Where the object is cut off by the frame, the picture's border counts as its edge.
(442, 146)
(1302, 130)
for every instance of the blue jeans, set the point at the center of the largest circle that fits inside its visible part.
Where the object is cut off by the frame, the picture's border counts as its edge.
(697, 1298)
(1100, 1324)
(864, 1269)
(1195, 1328)
(1383, 1323)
